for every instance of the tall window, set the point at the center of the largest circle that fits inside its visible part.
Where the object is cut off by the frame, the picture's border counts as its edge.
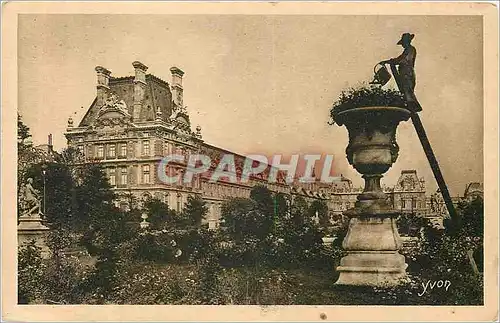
(100, 151)
(403, 204)
(413, 204)
(112, 151)
(112, 177)
(179, 202)
(145, 174)
(145, 147)
(123, 150)
(124, 176)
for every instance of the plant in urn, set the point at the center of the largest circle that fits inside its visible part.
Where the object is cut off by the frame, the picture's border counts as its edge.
(371, 116)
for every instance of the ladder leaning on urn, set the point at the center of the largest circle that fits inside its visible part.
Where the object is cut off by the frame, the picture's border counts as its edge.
(436, 170)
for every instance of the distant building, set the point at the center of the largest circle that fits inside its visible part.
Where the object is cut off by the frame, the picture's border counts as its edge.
(342, 196)
(408, 195)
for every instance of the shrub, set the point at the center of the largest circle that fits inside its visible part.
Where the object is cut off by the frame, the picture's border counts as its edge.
(364, 96)
(442, 255)
(55, 280)
(158, 246)
(410, 224)
(258, 285)
(148, 284)
(30, 274)
(63, 278)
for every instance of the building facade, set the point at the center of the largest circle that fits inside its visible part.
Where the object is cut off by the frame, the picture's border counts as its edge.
(408, 195)
(134, 122)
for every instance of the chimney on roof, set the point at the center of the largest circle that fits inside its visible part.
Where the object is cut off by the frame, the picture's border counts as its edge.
(139, 87)
(140, 71)
(177, 90)
(49, 142)
(102, 84)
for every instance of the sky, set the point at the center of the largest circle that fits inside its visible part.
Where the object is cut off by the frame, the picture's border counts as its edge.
(265, 84)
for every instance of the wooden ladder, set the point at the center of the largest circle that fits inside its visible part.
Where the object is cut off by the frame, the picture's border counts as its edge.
(426, 145)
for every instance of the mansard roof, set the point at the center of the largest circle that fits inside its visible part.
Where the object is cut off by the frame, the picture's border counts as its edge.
(157, 96)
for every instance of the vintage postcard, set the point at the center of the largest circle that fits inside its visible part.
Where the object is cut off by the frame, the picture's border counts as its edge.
(249, 161)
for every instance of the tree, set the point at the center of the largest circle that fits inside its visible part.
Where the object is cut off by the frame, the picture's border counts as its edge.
(195, 210)
(30, 273)
(281, 205)
(321, 208)
(470, 220)
(302, 237)
(23, 133)
(410, 224)
(158, 213)
(281, 212)
(27, 155)
(93, 195)
(241, 218)
(299, 211)
(56, 187)
(104, 229)
(265, 207)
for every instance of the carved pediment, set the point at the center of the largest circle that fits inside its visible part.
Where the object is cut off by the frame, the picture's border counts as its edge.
(113, 113)
(409, 182)
(113, 104)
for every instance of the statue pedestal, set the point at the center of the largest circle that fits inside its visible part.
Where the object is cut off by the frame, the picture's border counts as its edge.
(30, 228)
(372, 243)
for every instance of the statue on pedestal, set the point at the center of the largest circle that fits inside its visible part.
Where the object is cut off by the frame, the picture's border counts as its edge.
(30, 199)
(30, 225)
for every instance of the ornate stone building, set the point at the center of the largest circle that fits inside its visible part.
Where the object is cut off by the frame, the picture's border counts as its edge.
(408, 195)
(342, 196)
(134, 122)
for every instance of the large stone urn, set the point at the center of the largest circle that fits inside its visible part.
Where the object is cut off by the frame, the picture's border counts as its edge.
(372, 241)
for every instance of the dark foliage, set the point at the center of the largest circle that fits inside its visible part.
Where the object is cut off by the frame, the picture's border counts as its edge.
(365, 97)
(194, 211)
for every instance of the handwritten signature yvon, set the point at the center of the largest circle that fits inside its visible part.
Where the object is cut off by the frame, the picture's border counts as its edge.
(438, 284)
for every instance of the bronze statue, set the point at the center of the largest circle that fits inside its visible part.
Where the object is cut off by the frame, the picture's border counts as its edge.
(406, 70)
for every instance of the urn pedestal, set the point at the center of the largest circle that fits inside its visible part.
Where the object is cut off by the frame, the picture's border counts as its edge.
(372, 241)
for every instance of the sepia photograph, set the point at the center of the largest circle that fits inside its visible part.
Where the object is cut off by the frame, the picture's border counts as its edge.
(282, 156)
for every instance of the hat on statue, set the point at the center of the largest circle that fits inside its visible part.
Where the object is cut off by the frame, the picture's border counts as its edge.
(405, 37)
